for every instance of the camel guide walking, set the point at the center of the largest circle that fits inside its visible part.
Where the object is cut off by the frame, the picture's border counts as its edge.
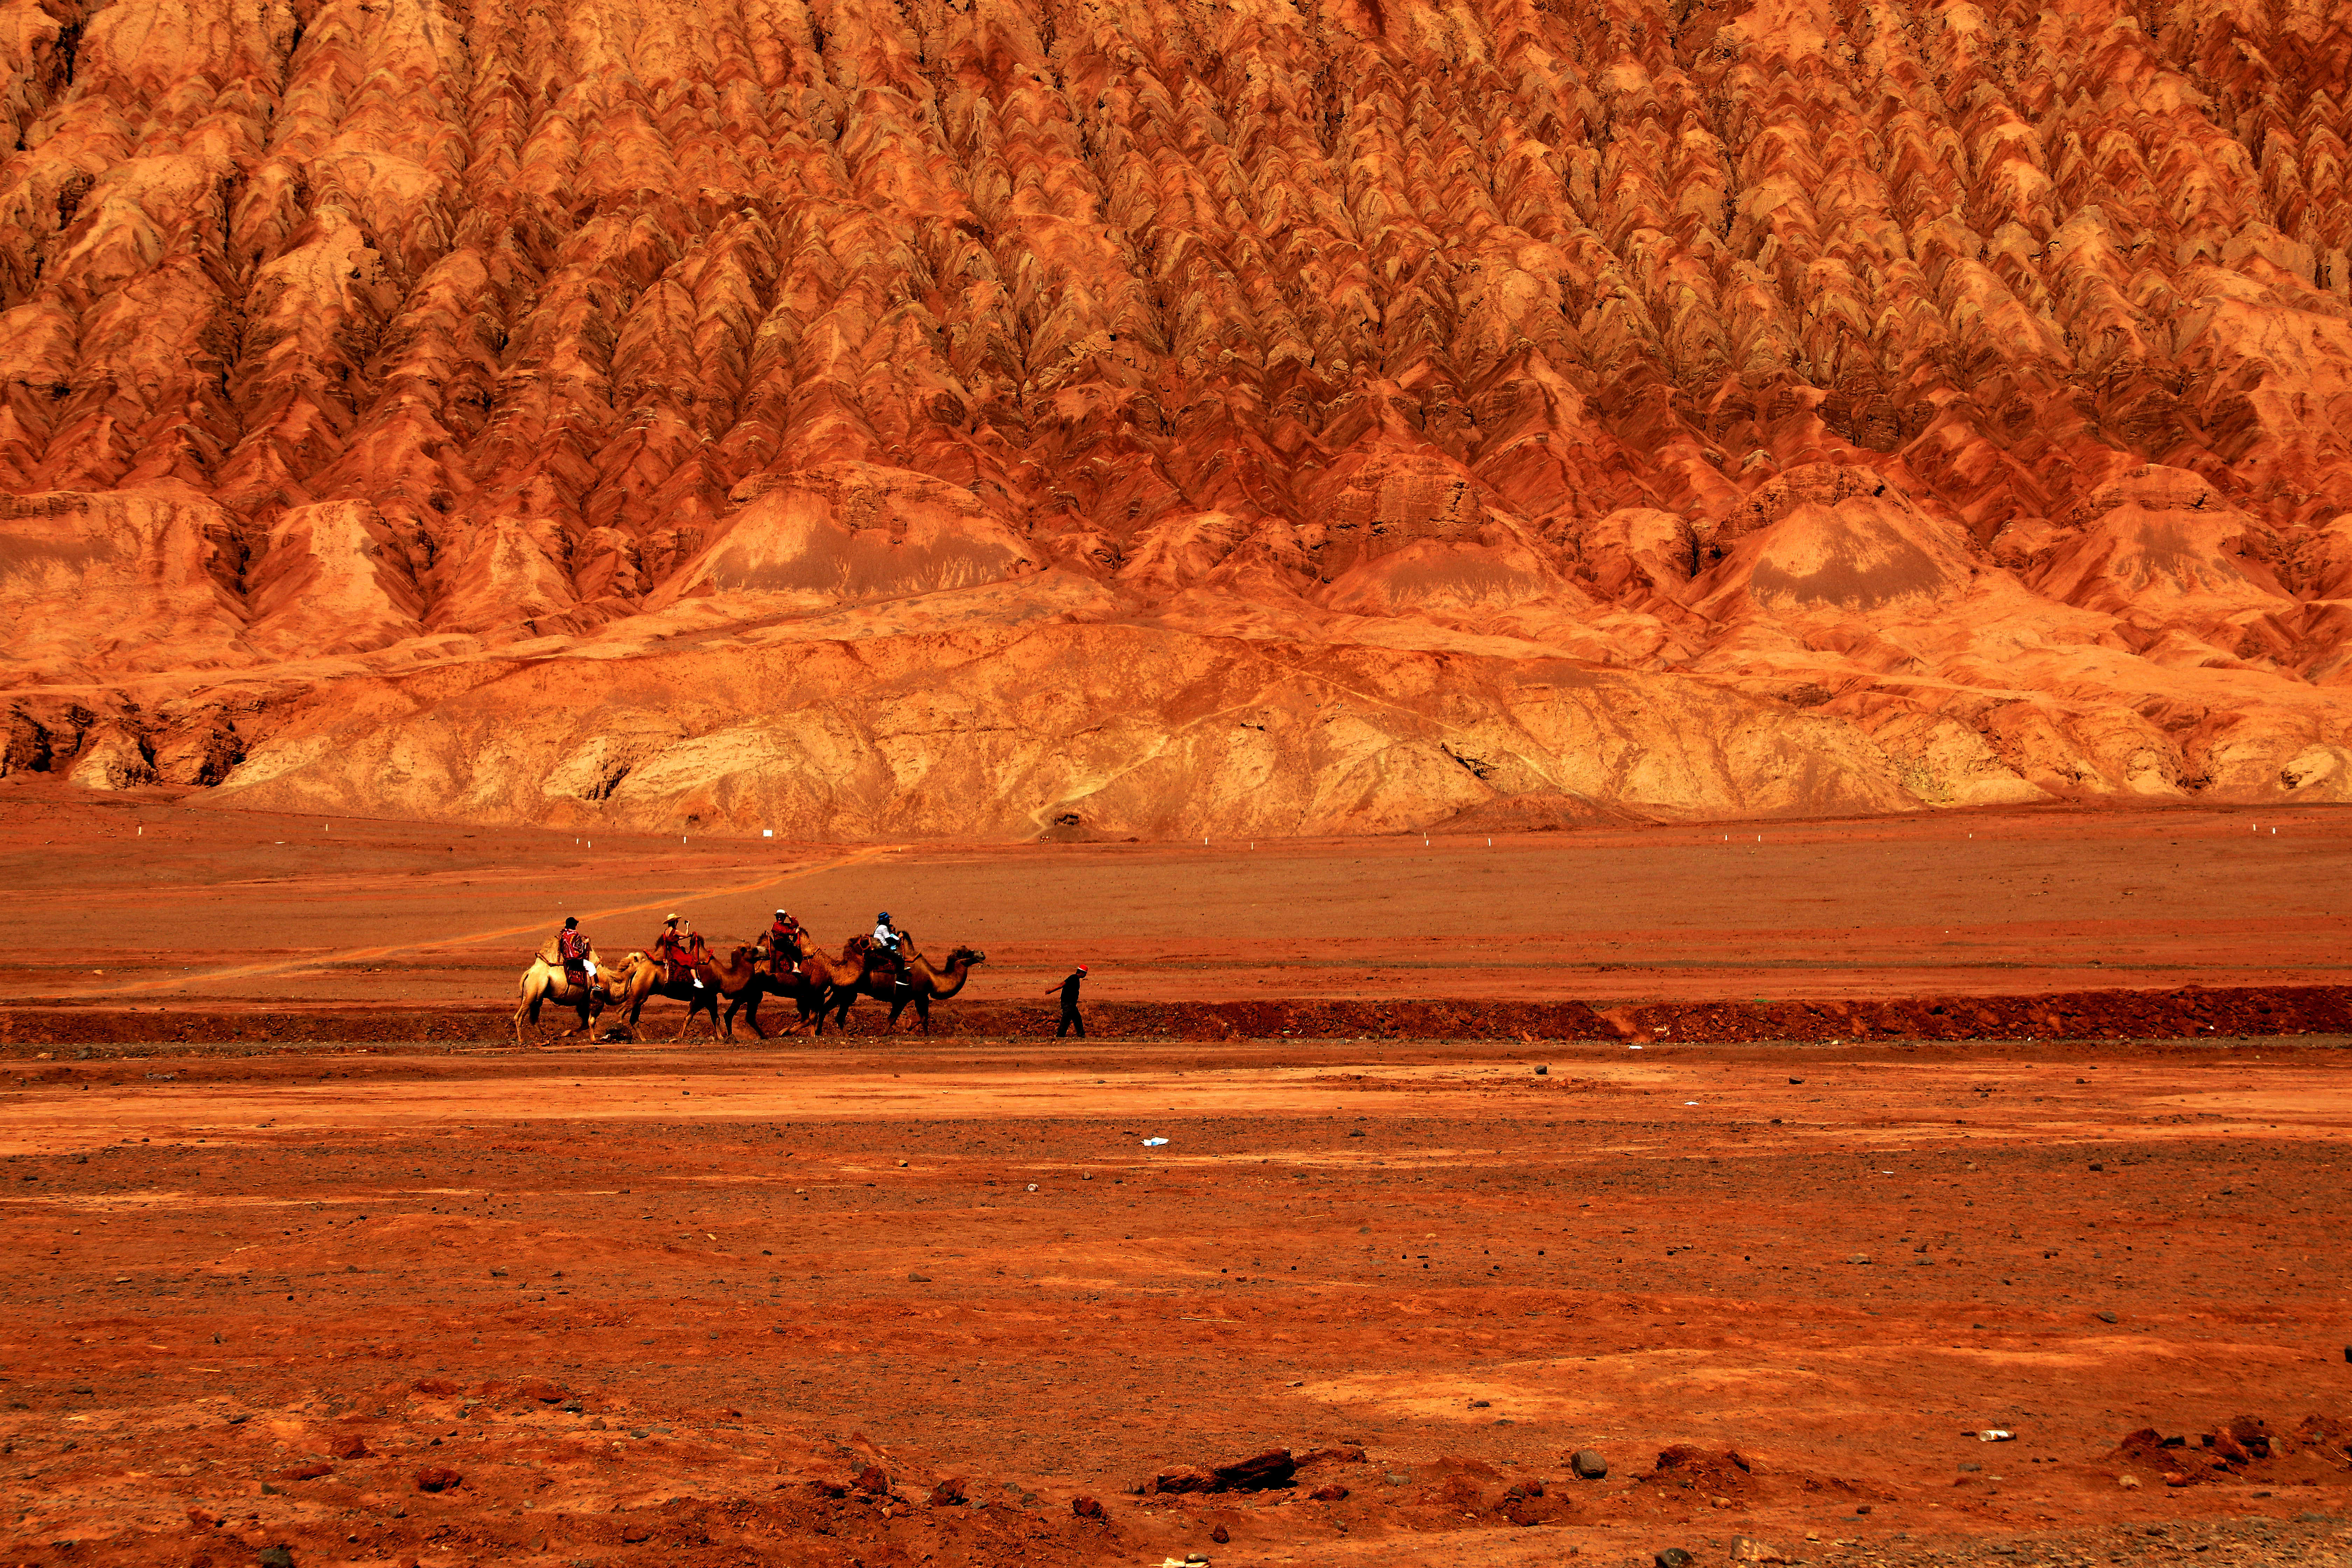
(1069, 990)
(684, 951)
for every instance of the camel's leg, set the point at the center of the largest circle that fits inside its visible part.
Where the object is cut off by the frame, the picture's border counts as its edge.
(923, 1011)
(751, 1014)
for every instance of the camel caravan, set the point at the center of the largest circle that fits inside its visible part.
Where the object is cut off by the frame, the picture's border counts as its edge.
(783, 962)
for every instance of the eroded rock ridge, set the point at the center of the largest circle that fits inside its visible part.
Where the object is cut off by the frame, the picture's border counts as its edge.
(1011, 417)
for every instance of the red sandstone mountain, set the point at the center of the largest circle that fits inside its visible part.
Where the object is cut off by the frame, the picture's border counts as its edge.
(1349, 415)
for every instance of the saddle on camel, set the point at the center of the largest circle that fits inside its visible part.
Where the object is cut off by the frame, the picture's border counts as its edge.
(686, 955)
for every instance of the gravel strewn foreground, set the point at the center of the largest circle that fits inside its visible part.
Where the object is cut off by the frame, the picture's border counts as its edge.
(689, 1306)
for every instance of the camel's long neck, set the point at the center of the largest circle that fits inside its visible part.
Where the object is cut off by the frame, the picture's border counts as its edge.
(948, 983)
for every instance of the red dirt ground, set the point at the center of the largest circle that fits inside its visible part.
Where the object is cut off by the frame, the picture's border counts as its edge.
(670, 1304)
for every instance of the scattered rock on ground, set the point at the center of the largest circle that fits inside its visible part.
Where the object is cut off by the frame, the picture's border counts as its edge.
(1347, 1454)
(1588, 1464)
(1272, 1468)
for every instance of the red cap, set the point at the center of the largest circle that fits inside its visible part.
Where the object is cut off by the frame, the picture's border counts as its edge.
(1082, 969)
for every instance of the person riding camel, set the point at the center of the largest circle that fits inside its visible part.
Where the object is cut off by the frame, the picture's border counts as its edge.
(685, 953)
(571, 947)
(784, 940)
(882, 956)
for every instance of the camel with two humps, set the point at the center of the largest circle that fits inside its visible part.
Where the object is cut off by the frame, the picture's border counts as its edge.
(545, 982)
(809, 987)
(640, 979)
(918, 983)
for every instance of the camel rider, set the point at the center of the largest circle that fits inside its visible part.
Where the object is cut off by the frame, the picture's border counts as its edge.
(571, 947)
(784, 940)
(684, 951)
(885, 951)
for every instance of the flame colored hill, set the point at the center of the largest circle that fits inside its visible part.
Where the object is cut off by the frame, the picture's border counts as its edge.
(1019, 417)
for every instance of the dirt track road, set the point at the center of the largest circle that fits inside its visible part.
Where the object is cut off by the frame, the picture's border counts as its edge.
(142, 899)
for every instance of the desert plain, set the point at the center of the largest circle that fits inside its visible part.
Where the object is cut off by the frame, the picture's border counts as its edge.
(309, 1252)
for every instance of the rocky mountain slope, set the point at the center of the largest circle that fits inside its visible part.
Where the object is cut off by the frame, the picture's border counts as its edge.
(1334, 415)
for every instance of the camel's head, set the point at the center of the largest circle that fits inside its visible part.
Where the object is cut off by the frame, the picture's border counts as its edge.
(966, 955)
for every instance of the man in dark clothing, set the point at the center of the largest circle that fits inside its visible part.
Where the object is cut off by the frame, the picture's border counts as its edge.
(1069, 990)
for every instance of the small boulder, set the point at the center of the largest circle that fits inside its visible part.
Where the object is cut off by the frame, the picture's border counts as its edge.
(350, 1446)
(1674, 1557)
(1335, 1492)
(948, 1493)
(1588, 1464)
(1745, 1549)
(1261, 1472)
(1220, 1535)
(438, 1479)
(1086, 1507)
(873, 1480)
(275, 1557)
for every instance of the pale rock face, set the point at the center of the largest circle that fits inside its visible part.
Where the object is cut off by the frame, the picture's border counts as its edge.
(855, 530)
(96, 585)
(332, 580)
(920, 420)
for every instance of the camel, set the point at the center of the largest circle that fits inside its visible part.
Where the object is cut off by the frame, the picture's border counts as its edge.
(821, 978)
(544, 982)
(922, 985)
(807, 988)
(639, 979)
